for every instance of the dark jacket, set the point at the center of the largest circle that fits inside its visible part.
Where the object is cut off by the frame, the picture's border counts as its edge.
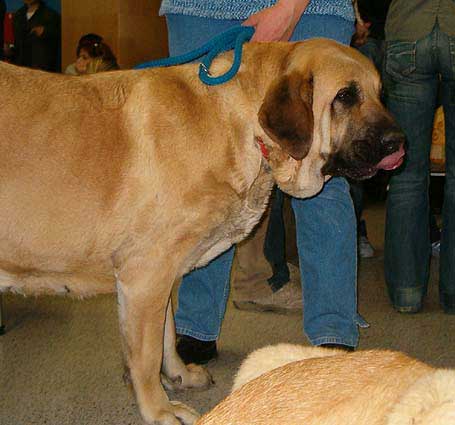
(2, 29)
(375, 12)
(33, 51)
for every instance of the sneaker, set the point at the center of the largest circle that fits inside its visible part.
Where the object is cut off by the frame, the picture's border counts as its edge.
(192, 350)
(287, 300)
(365, 248)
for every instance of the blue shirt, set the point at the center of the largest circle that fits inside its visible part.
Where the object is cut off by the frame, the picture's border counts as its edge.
(242, 9)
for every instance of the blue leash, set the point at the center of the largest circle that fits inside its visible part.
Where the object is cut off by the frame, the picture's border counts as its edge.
(233, 38)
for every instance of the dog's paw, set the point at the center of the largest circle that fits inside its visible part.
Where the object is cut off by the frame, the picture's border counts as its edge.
(184, 413)
(193, 376)
(177, 413)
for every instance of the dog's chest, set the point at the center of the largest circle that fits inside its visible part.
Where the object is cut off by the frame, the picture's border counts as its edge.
(244, 215)
(253, 207)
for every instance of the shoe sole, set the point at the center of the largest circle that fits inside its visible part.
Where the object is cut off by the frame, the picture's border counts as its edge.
(252, 306)
(200, 362)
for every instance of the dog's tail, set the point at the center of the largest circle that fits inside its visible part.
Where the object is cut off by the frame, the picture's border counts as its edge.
(273, 356)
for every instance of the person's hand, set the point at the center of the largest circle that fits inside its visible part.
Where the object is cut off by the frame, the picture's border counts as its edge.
(362, 30)
(39, 30)
(276, 23)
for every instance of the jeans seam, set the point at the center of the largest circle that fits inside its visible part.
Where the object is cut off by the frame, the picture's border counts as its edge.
(333, 340)
(226, 291)
(194, 334)
(409, 289)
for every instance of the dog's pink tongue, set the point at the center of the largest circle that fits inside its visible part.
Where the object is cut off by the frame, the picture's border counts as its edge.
(392, 161)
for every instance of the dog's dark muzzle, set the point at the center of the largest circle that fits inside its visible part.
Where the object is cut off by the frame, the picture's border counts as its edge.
(393, 150)
(364, 157)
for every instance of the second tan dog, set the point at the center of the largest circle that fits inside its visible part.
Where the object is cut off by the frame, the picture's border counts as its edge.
(294, 385)
(128, 180)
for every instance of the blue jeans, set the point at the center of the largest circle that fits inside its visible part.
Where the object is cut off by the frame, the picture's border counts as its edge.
(373, 49)
(326, 236)
(414, 73)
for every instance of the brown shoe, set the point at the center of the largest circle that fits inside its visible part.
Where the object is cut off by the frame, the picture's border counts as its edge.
(287, 300)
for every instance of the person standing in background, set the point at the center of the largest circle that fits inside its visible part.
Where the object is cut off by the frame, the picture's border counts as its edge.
(419, 60)
(2, 28)
(325, 224)
(37, 36)
(369, 40)
(369, 36)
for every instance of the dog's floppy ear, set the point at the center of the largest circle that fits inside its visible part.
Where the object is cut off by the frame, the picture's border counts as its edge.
(286, 115)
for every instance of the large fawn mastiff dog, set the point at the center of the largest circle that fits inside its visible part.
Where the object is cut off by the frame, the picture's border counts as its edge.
(127, 180)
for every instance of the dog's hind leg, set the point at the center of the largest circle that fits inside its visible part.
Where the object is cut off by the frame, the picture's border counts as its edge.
(143, 296)
(176, 375)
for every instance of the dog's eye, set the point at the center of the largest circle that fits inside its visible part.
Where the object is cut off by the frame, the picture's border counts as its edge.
(348, 95)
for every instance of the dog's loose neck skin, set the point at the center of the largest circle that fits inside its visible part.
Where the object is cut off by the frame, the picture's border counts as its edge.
(263, 63)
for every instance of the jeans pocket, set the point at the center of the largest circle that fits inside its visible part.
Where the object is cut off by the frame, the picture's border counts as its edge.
(400, 60)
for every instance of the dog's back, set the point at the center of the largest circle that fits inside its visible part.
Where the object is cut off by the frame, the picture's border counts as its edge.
(362, 388)
(271, 357)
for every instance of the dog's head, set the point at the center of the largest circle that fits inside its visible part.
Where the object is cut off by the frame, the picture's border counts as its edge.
(323, 117)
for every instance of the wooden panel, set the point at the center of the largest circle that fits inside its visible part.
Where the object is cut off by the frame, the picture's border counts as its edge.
(142, 34)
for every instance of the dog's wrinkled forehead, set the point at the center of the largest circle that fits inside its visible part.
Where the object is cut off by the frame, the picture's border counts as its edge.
(336, 67)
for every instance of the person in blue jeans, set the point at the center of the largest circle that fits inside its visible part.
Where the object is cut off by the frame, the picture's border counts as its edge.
(325, 224)
(419, 60)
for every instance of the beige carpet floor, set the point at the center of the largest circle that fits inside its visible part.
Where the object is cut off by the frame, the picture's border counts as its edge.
(60, 360)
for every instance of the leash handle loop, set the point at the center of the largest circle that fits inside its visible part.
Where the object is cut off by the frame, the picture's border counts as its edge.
(236, 41)
(232, 38)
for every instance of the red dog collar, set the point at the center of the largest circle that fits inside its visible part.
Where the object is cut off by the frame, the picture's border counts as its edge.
(264, 150)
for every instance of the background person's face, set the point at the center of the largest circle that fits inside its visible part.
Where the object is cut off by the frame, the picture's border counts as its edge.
(82, 61)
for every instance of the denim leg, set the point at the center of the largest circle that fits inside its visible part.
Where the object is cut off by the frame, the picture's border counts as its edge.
(373, 49)
(326, 242)
(447, 256)
(203, 293)
(202, 299)
(411, 86)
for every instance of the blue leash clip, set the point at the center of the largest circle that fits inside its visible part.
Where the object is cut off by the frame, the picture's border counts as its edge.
(233, 38)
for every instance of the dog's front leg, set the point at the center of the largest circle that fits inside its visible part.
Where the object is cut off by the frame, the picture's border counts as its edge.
(176, 375)
(142, 311)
